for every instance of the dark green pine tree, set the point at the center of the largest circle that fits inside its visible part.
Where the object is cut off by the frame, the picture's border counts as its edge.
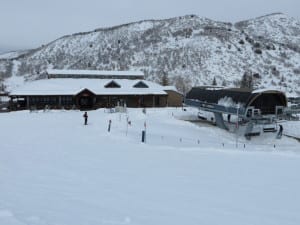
(214, 82)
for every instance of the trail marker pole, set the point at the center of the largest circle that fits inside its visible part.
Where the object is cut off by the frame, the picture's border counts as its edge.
(109, 125)
(237, 127)
(144, 132)
(143, 136)
(127, 125)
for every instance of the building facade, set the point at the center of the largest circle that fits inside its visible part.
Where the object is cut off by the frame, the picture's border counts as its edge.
(82, 89)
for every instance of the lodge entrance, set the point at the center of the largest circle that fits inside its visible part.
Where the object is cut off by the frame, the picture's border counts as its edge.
(86, 102)
(85, 99)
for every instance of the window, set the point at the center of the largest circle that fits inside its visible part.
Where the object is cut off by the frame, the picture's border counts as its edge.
(112, 84)
(66, 100)
(140, 84)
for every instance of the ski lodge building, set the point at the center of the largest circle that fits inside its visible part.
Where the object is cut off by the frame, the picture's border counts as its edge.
(91, 89)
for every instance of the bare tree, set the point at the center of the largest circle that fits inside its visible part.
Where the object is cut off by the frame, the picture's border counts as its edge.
(182, 84)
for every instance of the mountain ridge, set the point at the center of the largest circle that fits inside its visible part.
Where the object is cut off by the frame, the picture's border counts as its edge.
(190, 50)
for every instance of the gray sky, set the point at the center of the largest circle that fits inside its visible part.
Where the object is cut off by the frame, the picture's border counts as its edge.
(31, 23)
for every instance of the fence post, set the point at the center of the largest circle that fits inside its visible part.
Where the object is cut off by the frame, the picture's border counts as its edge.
(127, 125)
(109, 125)
(143, 136)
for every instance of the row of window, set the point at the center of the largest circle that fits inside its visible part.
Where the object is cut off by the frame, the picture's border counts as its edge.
(51, 100)
(69, 100)
(42, 100)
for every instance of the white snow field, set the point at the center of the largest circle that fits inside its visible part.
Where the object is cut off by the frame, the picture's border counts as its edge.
(56, 171)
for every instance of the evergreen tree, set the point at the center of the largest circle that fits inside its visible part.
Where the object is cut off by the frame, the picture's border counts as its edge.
(2, 86)
(224, 84)
(214, 82)
(247, 81)
(164, 79)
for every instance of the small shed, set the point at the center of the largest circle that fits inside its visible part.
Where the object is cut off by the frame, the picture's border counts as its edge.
(175, 97)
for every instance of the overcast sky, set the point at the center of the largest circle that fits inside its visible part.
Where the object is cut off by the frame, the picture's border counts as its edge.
(31, 23)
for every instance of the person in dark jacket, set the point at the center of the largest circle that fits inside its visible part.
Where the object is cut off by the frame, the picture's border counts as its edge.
(280, 131)
(85, 116)
(228, 118)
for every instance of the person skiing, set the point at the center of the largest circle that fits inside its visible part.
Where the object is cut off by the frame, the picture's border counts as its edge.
(85, 116)
(228, 118)
(280, 131)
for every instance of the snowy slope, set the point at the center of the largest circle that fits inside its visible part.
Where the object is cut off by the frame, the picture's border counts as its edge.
(56, 171)
(274, 27)
(13, 54)
(190, 49)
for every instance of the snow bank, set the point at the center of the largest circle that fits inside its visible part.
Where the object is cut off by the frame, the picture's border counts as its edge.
(54, 170)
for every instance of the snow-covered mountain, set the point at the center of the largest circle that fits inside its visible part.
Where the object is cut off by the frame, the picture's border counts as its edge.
(191, 50)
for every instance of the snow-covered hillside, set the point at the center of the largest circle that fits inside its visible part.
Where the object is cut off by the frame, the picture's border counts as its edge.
(191, 50)
(54, 170)
(13, 54)
(276, 27)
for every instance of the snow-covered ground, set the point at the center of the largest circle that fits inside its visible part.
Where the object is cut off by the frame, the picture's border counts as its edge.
(56, 171)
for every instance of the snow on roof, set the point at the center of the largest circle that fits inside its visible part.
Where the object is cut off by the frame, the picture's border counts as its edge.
(265, 90)
(210, 87)
(94, 72)
(97, 86)
(171, 88)
(292, 95)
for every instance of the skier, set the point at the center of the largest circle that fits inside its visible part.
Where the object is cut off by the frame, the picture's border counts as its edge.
(280, 131)
(85, 115)
(228, 118)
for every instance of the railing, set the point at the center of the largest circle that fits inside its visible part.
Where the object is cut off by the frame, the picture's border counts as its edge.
(295, 109)
(4, 107)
